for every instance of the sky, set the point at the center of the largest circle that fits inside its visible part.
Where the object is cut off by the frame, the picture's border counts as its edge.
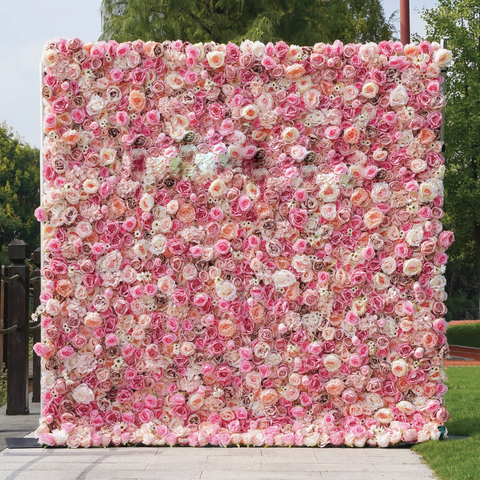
(25, 25)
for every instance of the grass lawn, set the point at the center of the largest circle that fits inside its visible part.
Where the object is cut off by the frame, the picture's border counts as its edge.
(458, 459)
(467, 334)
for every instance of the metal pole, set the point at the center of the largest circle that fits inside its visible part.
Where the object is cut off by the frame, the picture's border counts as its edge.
(405, 21)
(18, 341)
(37, 333)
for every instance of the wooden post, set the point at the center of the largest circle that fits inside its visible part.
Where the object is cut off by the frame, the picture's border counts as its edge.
(18, 313)
(37, 285)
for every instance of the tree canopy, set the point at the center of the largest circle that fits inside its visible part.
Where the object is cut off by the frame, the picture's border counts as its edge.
(459, 21)
(302, 22)
(19, 189)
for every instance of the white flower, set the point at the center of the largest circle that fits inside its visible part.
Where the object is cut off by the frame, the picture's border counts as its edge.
(147, 202)
(283, 279)
(96, 105)
(442, 57)
(83, 394)
(332, 362)
(412, 266)
(227, 291)
(414, 236)
(399, 367)
(398, 96)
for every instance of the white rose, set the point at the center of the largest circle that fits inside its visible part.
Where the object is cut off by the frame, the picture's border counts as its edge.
(83, 394)
(384, 415)
(370, 90)
(414, 236)
(175, 81)
(107, 156)
(283, 279)
(412, 266)
(405, 407)
(381, 281)
(166, 285)
(96, 105)
(398, 96)
(418, 165)
(438, 282)
(368, 52)
(52, 307)
(258, 50)
(442, 57)
(329, 211)
(374, 401)
(158, 244)
(216, 59)
(172, 207)
(90, 185)
(389, 265)
(380, 192)
(399, 367)
(217, 188)
(301, 263)
(332, 362)
(227, 291)
(290, 134)
(49, 57)
(427, 192)
(147, 202)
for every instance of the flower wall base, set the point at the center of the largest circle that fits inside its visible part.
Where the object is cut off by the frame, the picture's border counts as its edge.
(242, 245)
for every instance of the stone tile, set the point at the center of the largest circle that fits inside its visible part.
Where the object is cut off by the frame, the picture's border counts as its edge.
(249, 475)
(373, 476)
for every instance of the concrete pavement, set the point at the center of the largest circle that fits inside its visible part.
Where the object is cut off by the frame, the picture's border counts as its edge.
(17, 426)
(183, 463)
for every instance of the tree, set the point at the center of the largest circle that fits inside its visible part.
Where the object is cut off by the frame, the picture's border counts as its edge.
(301, 22)
(19, 189)
(459, 21)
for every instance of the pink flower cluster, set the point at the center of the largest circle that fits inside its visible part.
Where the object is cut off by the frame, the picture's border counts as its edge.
(243, 245)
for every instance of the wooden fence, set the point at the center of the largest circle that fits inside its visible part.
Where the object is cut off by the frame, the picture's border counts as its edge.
(19, 296)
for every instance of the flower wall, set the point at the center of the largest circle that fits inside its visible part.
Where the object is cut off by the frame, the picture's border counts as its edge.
(242, 245)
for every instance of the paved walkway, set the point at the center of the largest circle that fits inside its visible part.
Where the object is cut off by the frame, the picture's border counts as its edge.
(200, 463)
(17, 426)
(183, 463)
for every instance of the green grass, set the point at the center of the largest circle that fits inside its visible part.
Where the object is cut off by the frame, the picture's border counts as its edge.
(458, 459)
(467, 334)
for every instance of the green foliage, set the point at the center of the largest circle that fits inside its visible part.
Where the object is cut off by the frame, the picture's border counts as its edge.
(459, 21)
(467, 334)
(19, 190)
(302, 22)
(458, 459)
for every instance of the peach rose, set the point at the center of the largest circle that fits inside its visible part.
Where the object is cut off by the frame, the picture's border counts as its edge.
(186, 213)
(268, 397)
(351, 135)
(373, 218)
(257, 312)
(226, 328)
(137, 100)
(295, 71)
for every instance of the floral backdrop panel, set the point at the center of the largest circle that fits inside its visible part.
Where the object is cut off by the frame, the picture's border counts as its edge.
(242, 244)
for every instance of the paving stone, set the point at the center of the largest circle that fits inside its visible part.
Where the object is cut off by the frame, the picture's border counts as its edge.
(213, 464)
